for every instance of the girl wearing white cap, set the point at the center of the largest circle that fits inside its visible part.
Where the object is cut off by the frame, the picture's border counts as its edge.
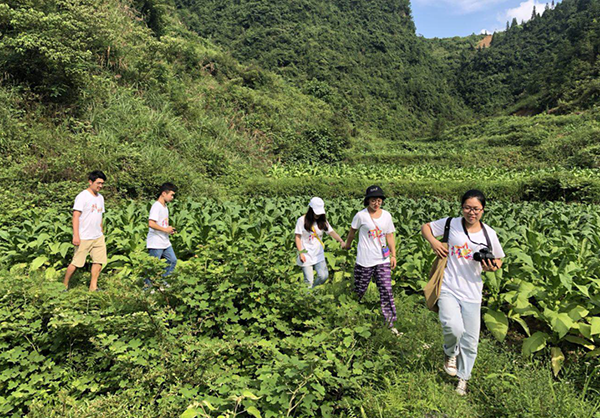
(309, 242)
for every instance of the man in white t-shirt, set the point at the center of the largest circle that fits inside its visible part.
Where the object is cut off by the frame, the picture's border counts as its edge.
(159, 230)
(88, 234)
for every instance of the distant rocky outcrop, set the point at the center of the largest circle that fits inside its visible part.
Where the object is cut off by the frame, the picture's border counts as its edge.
(485, 42)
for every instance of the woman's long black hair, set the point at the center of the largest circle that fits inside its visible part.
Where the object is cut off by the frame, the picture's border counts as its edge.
(310, 218)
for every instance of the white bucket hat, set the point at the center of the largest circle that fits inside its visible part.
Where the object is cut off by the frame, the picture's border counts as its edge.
(317, 205)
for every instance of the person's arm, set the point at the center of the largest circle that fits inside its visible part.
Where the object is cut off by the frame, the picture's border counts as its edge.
(392, 245)
(298, 240)
(336, 237)
(76, 216)
(169, 229)
(436, 245)
(350, 238)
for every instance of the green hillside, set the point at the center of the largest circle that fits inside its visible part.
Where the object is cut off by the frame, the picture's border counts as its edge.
(362, 57)
(549, 63)
(101, 85)
(252, 108)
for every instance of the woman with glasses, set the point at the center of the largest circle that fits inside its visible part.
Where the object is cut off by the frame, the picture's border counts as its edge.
(376, 254)
(473, 247)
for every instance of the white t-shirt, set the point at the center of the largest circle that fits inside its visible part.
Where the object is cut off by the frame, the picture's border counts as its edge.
(315, 253)
(462, 276)
(370, 234)
(158, 240)
(91, 207)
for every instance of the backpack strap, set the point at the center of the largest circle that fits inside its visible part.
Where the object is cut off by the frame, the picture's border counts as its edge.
(447, 230)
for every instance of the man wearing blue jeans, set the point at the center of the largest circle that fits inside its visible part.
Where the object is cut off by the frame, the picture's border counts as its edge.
(158, 242)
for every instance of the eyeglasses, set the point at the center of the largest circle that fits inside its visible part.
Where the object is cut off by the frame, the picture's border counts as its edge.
(470, 209)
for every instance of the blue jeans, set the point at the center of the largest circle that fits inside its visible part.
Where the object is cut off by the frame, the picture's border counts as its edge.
(322, 274)
(166, 253)
(460, 326)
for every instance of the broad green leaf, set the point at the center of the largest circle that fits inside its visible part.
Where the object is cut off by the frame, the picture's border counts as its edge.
(578, 340)
(595, 323)
(189, 413)
(253, 411)
(38, 262)
(534, 343)
(558, 359)
(64, 248)
(578, 312)
(249, 395)
(586, 330)
(594, 353)
(583, 289)
(521, 321)
(561, 323)
(209, 405)
(497, 323)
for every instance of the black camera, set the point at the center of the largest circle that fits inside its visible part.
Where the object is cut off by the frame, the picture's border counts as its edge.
(483, 254)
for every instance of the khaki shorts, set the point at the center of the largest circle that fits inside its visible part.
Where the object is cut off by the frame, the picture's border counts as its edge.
(94, 247)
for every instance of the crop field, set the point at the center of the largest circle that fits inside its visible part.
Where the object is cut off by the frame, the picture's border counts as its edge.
(422, 172)
(237, 276)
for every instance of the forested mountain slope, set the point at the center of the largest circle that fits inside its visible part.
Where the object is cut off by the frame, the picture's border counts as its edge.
(365, 59)
(362, 57)
(549, 63)
(124, 87)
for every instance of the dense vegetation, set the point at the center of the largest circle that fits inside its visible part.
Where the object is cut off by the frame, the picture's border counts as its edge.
(291, 100)
(238, 331)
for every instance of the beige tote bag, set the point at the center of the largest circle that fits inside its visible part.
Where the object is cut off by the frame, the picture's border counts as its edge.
(436, 274)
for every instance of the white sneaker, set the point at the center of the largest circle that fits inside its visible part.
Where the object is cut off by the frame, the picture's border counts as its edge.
(461, 388)
(450, 365)
(396, 332)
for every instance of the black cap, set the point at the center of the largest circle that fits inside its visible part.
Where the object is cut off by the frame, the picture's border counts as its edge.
(373, 191)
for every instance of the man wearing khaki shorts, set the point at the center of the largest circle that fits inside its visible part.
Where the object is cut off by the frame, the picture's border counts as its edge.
(88, 235)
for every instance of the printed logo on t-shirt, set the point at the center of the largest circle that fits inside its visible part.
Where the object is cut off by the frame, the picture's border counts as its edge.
(96, 208)
(462, 251)
(375, 233)
(165, 223)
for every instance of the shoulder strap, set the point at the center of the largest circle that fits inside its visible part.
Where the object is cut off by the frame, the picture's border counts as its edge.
(317, 237)
(487, 237)
(447, 230)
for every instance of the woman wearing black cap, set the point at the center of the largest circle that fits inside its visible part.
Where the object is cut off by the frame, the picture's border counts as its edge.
(376, 254)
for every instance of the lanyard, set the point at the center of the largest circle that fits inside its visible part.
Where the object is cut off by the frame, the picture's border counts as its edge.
(376, 229)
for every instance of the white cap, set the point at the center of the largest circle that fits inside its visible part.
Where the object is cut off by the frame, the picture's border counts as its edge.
(317, 205)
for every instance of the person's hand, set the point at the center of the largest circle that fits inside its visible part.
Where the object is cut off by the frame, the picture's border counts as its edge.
(489, 265)
(439, 249)
(76, 241)
(170, 230)
(343, 245)
(303, 258)
(393, 262)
